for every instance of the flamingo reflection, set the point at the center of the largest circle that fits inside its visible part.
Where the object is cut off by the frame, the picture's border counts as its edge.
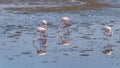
(108, 50)
(65, 35)
(41, 38)
(41, 50)
(66, 39)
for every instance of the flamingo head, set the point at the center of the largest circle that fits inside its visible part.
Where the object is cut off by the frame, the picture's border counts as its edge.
(44, 22)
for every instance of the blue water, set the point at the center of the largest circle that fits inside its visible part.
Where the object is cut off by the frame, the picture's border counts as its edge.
(87, 41)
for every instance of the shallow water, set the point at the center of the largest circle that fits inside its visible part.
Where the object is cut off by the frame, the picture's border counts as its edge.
(87, 41)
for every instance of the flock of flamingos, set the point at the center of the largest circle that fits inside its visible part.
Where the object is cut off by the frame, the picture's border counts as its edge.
(65, 24)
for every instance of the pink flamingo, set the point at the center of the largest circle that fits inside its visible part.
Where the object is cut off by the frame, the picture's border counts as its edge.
(108, 32)
(66, 25)
(42, 30)
(43, 43)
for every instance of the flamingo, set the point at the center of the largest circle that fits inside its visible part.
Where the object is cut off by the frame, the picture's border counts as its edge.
(108, 32)
(43, 45)
(42, 31)
(66, 25)
(66, 21)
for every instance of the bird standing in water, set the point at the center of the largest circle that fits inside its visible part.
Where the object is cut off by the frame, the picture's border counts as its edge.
(41, 32)
(108, 33)
(65, 25)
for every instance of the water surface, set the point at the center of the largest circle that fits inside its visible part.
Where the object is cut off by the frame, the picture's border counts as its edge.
(87, 42)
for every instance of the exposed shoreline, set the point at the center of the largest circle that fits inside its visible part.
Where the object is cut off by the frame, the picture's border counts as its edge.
(36, 8)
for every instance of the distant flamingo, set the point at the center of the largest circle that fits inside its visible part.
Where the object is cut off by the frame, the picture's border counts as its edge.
(108, 33)
(42, 38)
(64, 37)
(42, 30)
